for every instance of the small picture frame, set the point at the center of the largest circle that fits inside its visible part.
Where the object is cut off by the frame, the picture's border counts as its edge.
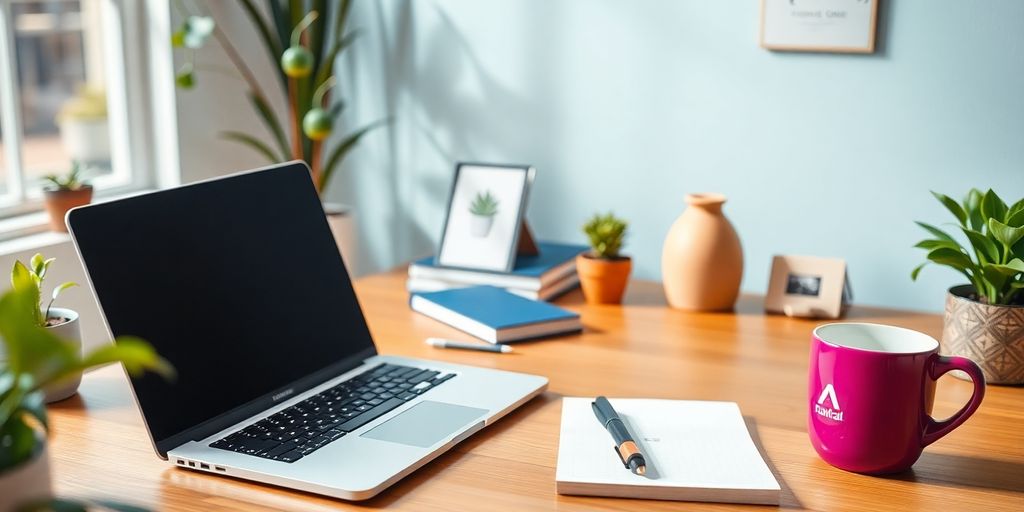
(485, 215)
(835, 26)
(808, 286)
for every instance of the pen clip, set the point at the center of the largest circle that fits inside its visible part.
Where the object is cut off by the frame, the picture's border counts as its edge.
(619, 455)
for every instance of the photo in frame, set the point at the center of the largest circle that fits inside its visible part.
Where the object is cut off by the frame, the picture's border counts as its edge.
(808, 286)
(484, 221)
(838, 26)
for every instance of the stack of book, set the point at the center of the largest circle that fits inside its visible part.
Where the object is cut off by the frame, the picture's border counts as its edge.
(543, 277)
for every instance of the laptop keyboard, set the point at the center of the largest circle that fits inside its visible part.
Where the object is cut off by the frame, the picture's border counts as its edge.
(311, 424)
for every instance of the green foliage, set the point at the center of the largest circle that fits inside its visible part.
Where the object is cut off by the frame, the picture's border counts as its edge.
(303, 39)
(30, 279)
(88, 104)
(993, 260)
(73, 180)
(484, 204)
(36, 358)
(606, 234)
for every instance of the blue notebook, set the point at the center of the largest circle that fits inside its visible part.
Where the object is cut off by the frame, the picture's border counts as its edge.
(495, 315)
(553, 263)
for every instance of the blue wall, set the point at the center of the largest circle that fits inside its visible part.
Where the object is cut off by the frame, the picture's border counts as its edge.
(629, 105)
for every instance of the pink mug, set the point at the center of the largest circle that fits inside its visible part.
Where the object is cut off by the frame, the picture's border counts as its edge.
(870, 395)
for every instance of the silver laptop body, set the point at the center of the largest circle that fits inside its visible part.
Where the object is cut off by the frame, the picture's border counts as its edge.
(228, 391)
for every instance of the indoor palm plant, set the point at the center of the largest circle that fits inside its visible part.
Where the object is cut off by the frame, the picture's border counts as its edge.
(63, 192)
(984, 320)
(36, 358)
(604, 272)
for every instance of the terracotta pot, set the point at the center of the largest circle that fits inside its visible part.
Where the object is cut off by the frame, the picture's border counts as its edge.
(70, 332)
(58, 202)
(992, 336)
(603, 281)
(702, 260)
(27, 483)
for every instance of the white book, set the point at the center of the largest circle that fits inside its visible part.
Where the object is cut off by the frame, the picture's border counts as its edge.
(422, 284)
(695, 451)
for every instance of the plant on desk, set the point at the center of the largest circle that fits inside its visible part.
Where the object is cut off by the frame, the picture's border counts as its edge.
(603, 272)
(64, 192)
(993, 263)
(37, 358)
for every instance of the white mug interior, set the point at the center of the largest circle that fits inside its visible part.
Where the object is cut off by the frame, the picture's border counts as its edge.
(888, 339)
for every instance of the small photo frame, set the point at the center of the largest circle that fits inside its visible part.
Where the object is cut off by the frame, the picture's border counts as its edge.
(808, 286)
(485, 216)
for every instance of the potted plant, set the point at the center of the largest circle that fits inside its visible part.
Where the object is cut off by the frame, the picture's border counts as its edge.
(64, 192)
(603, 272)
(482, 211)
(983, 319)
(60, 321)
(303, 44)
(36, 359)
(84, 130)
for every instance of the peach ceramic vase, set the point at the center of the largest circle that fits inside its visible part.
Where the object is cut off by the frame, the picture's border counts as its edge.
(702, 260)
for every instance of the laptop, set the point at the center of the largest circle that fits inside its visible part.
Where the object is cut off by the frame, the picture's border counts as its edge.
(238, 283)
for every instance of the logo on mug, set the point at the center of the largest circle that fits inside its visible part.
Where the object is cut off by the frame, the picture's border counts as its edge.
(832, 413)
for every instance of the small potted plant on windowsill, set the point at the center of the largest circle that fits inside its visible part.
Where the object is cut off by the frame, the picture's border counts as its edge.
(65, 192)
(84, 130)
(980, 316)
(62, 322)
(36, 359)
(603, 272)
(482, 211)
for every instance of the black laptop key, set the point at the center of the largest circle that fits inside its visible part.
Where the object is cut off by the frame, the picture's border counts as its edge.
(421, 376)
(370, 415)
(291, 456)
(282, 448)
(407, 395)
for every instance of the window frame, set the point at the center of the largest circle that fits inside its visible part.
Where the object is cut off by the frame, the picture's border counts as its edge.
(128, 113)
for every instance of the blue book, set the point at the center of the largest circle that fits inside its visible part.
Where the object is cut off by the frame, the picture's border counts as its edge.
(495, 315)
(553, 263)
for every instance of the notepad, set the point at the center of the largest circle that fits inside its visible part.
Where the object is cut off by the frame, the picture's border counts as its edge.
(695, 451)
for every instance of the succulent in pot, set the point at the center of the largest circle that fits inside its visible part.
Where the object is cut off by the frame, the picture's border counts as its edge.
(980, 316)
(604, 272)
(482, 211)
(36, 358)
(64, 192)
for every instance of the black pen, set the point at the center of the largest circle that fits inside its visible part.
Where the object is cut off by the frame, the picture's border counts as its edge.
(625, 447)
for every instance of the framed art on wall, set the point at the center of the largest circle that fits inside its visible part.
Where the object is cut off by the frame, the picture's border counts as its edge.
(485, 216)
(842, 26)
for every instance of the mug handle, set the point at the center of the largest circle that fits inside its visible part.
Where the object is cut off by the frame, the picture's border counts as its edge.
(939, 365)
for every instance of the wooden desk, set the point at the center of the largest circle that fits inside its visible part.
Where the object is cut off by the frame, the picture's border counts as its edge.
(642, 349)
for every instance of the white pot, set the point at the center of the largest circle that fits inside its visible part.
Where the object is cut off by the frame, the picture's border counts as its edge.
(71, 332)
(27, 483)
(342, 221)
(480, 225)
(86, 140)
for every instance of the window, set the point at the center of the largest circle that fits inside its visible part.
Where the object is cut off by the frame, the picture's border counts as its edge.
(66, 84)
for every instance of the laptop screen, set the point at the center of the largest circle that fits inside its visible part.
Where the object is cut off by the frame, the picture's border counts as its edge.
(237, 282)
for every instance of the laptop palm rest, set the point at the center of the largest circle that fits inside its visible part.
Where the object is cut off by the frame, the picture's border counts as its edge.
(426, 423)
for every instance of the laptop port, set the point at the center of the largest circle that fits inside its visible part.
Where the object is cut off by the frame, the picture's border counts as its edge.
(191, 464)
(218, 468)
(181, 462)
(204, 465)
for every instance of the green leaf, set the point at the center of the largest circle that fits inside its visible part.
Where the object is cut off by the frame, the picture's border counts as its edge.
(19, 441)
(342, 149)
(135, 354)
(953, 207)
(327, 69)
(186, 77)
(932, 244)
(984, 247)
(1015, 219)
(270, 120)
(31, 349)
(972, 205)
(272, 44)
(178, 38)
(252, 142)
(37, 264)
(60, 288)
(951, 258)
(935, 231)
(992, 207)
(23, 279)
(1008, 236)
(917, 270)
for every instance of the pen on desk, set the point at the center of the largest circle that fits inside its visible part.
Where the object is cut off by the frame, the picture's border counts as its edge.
(442, 343)
(625, 447)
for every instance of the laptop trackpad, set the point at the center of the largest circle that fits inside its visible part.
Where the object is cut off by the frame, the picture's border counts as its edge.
(426, 423)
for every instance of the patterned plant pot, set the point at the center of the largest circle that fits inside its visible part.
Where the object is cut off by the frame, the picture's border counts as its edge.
(992, 336)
